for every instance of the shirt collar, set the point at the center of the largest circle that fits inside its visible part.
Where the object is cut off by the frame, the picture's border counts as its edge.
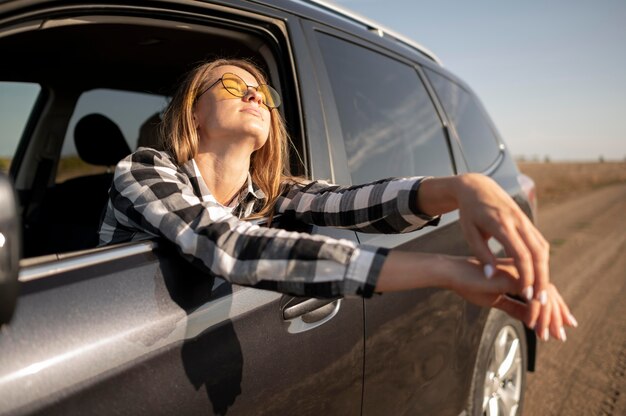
(254, 189)
(251, 189)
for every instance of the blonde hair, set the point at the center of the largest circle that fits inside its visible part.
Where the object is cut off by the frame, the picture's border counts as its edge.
(269, 165)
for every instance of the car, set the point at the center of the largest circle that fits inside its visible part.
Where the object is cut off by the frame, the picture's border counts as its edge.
(133, 328)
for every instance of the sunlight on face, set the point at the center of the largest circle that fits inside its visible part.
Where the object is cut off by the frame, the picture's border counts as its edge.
(226, 119)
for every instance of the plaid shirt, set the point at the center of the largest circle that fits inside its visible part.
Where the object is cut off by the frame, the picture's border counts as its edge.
(152, 196)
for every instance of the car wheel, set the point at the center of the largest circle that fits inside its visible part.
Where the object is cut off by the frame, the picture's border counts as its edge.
(499, 377)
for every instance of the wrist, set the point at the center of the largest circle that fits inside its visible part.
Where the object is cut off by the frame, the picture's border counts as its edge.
(407, 270)
(437, 196)
(447, 270)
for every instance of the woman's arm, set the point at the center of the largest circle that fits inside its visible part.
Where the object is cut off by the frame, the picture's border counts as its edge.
(151, 194)
(384, 206)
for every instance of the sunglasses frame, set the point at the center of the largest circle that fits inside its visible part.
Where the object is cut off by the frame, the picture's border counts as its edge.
(273, 93)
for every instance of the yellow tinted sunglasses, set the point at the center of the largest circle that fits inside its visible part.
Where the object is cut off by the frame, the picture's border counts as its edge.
(238, 88)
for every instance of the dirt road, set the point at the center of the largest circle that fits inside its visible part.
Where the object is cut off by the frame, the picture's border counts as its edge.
(585, 375)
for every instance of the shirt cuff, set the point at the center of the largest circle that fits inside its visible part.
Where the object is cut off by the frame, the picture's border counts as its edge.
(413, 207)
(363, 270)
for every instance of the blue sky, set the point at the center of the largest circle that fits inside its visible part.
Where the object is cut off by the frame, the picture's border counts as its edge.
(552, 74)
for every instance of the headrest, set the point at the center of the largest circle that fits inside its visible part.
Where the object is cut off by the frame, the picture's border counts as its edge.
(149, 132)
(99, 141)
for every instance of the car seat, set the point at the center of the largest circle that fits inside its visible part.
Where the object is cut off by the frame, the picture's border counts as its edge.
(69, 216)
(149, 132)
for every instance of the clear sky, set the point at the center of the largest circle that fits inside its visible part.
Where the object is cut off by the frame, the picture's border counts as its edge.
(551, 73)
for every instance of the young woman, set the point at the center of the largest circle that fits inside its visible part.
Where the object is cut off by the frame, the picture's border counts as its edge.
(225, 159)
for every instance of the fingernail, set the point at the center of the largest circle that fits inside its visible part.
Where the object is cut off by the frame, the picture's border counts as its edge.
(532, 325)
(562, 334)
(546, 335)
(528, 293)
(573, 321)
(488, 270)
(543, 297)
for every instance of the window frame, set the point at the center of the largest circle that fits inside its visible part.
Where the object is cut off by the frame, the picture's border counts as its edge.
(497, 161)
(270, 25)
(341, 173)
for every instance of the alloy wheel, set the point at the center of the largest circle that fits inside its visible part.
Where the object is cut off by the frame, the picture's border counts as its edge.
(503, 379)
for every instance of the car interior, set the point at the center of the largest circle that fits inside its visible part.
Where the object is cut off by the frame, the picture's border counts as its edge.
(145, 56)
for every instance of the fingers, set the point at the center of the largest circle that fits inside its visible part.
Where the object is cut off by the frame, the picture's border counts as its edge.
(543, 322)
(516, 248)
(548, 319)
(553, 316)
(556, 323)
(487, 210)
(539, 251)
(478, 244)
(532, 315)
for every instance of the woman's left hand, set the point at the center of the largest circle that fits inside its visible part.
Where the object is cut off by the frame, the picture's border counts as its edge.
(486, 211)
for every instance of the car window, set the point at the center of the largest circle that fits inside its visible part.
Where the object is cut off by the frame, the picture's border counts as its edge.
(389, 123)
(136, 115)
(477, 137)
(17, 100)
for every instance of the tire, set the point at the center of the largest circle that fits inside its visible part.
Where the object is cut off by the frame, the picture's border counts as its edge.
(499, 378)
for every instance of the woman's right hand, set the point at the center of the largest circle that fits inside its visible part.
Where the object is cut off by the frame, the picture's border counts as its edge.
(553, 316)
(465, 276)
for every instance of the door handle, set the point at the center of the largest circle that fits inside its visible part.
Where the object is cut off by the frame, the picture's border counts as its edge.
(311, 313)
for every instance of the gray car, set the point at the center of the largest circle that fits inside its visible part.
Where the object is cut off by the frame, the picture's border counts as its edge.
(133, 328)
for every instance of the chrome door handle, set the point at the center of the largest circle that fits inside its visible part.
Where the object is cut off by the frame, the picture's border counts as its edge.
(314, 307)
(311, 313)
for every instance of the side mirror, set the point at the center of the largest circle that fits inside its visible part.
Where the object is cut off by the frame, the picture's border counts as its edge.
(10, 246)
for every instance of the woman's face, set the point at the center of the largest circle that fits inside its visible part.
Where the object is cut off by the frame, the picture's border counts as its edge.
(219, 115)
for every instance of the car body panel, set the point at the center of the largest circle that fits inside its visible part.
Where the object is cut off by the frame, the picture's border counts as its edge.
(135, 329)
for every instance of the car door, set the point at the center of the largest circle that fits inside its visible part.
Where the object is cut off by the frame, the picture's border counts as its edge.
(134, 329)
(420, 345)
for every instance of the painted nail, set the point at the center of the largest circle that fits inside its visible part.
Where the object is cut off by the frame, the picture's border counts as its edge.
(572, 320)
(532, 325)
(546, 334)
(528, 293)
(488, 270)
(562, 334)
(543, 297)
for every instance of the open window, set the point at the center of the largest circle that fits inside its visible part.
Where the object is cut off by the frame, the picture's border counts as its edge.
(106, 75)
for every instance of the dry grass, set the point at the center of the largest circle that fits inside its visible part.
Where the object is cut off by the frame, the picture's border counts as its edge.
(69, 167)
(73, 166)
(557, 181)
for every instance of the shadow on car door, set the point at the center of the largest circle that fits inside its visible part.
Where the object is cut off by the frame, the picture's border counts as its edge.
(135, 329)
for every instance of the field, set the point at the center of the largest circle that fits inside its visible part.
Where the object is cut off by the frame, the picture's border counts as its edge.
(558, 181)
(581, 214)
(69, 167)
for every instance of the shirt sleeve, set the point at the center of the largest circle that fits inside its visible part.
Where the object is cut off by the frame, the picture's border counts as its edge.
(386, 206)
(152, 195)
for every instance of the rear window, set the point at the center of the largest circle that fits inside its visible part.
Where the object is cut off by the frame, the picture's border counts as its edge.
(477, 137)
(136, 115)
(17, 100)
(389, 123)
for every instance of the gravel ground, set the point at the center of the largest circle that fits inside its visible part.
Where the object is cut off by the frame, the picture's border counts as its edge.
(585, 375)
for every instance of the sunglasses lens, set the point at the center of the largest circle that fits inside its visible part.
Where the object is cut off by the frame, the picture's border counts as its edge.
(234, 85)
(271, 96)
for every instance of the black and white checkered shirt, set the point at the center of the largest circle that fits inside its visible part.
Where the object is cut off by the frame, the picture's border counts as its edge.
(153, 197)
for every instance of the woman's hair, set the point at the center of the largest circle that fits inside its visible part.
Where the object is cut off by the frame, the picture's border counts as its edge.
(269, 165)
